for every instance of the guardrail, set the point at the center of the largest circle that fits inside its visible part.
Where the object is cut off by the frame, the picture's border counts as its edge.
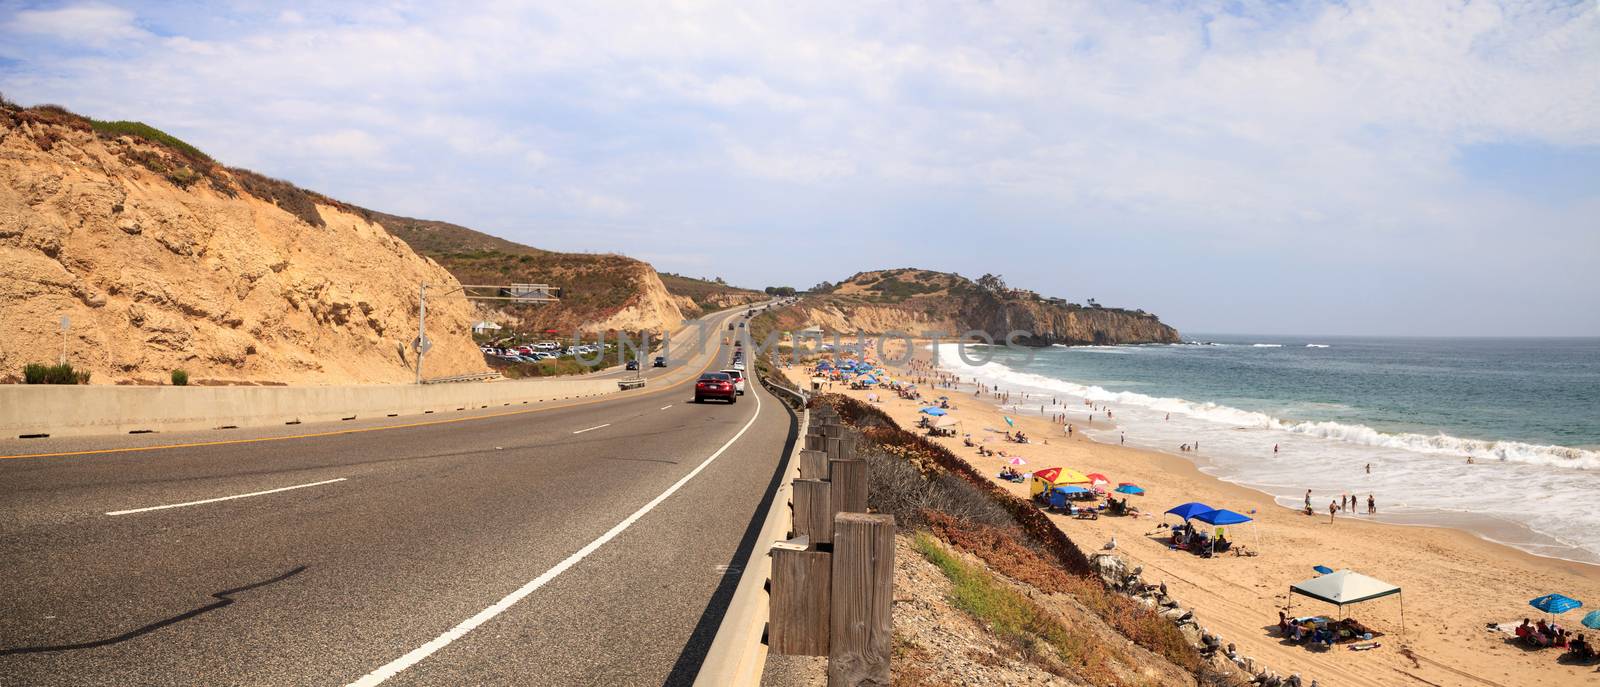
(474, 377)
(737, 655)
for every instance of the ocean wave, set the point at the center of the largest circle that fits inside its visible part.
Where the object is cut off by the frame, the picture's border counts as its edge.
(1316, 345)
(1435, 444)
(1266, 345)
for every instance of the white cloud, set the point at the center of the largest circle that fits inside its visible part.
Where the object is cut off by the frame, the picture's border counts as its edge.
(90, 23)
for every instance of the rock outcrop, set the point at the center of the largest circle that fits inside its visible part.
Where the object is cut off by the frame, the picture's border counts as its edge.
(915, 301)
(157, 271)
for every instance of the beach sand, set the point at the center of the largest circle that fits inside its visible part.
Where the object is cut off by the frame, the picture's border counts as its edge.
(1454, 583)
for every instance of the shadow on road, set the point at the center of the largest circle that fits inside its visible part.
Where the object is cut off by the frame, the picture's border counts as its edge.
(223, 598)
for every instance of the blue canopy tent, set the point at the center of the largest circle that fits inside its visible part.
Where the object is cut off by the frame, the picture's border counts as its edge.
(1189, 510)
(1592, 621)
(1059, 495)
(936, 412)
(1223, 517)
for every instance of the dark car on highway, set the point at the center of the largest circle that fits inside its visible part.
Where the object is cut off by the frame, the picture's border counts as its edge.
(715, 385)
(633, 365)
(661, 361)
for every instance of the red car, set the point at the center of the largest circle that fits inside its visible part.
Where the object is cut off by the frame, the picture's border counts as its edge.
(715, 385)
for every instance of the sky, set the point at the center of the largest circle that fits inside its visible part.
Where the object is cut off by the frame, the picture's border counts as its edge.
(1368, 168)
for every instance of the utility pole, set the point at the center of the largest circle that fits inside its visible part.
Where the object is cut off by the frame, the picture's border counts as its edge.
(422, 327)
(65, 323)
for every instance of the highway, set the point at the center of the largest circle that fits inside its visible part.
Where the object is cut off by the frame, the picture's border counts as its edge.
(583, 542)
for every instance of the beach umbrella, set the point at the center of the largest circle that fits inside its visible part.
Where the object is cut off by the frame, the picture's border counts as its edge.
(936, 412)
(1323, 569)
(1555, 603)
(1190, 510)
(1592, 621)
(1008, 421)
(1131, 489)
(1097, 478)
(1017, 460)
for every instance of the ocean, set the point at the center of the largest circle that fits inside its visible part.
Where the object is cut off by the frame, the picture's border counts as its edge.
(1526, 411)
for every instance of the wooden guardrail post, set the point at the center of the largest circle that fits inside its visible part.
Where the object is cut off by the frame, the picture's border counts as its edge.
(813, 510)
(813, 464)
(861, 630)
(847, 480)
(798, 622)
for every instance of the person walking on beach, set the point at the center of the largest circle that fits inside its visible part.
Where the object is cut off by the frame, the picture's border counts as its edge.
(1308, 499)
(1372, 505)
(1123, 439)
(1275, 450)
(1333, 509)
(1369, 468)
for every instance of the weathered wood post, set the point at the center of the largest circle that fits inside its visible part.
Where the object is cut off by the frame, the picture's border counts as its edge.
(813, 510)
(798, 605)
(847, 480)
(813, 464)
(861, 630)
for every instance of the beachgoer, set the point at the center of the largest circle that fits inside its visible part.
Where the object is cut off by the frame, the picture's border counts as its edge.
(1196, 445)
(1274, 448)
(1333, 509)
(1308, 498)
(1122, 438)
(1372, 505)
(1369, 468)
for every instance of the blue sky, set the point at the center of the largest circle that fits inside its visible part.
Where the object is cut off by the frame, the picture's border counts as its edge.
(1409, 168)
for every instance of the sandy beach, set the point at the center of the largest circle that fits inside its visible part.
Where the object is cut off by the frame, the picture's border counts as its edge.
(1454, 583)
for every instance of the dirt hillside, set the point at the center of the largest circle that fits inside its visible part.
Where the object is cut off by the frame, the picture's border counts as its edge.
(163, 259)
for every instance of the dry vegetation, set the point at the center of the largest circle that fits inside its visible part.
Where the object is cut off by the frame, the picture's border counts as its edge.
(1024, 559)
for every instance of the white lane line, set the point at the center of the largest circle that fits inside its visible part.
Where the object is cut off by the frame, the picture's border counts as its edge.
(416, 655)
(669, 405)
(591, 429)
(225, 498)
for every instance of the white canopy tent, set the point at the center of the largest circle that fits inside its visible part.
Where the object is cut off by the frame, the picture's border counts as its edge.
(1348, 587)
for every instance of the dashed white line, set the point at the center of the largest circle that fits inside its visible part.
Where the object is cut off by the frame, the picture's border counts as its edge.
(416, 655)
(591, 429)
(669, 405)
(225, 498)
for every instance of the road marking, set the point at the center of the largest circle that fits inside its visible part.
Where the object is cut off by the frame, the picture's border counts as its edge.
(416, 655)
(669, 405)
(591, 429)
(225, 498)
(314, 435)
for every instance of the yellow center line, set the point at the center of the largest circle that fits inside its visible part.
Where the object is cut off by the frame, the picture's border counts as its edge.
(361, 430)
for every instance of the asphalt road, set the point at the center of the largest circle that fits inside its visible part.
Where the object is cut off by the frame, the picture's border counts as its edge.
(570, 545)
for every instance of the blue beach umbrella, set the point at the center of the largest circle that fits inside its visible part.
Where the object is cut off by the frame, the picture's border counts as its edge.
(1555, 603)
(1323, 569)
(1189, 510)
(1592, 621)
(1131, 489)
(1008, 420)
(930, 410)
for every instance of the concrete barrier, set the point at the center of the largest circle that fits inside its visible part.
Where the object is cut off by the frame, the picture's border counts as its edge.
(63, 410)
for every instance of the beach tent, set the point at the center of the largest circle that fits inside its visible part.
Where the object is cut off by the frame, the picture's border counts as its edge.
(1592, 621)
(1054, 477)
(946, 421)
(1223, 517)
(934, 411)
(1060, 495)
(1189, 510)
(1347, 587)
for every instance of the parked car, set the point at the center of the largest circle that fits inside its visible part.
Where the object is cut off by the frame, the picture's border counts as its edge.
(715, 385)
(738, 379)
(661, 361)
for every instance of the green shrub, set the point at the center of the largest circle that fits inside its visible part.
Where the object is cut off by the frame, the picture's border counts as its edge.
(151, 134)
(180, 378)
(39, 373)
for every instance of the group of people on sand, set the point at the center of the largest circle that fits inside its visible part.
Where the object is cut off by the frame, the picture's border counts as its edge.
(1346, 502)
(1018, 438)
(1321, 631)
(1542, 635)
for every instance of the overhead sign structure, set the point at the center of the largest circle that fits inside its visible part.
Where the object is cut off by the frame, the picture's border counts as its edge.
(532, 293)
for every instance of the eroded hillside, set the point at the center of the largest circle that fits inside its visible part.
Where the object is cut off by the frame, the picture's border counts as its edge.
(163, 259)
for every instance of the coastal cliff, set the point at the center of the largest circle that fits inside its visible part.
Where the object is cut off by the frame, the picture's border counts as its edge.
(915, 301)
(161, 259)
